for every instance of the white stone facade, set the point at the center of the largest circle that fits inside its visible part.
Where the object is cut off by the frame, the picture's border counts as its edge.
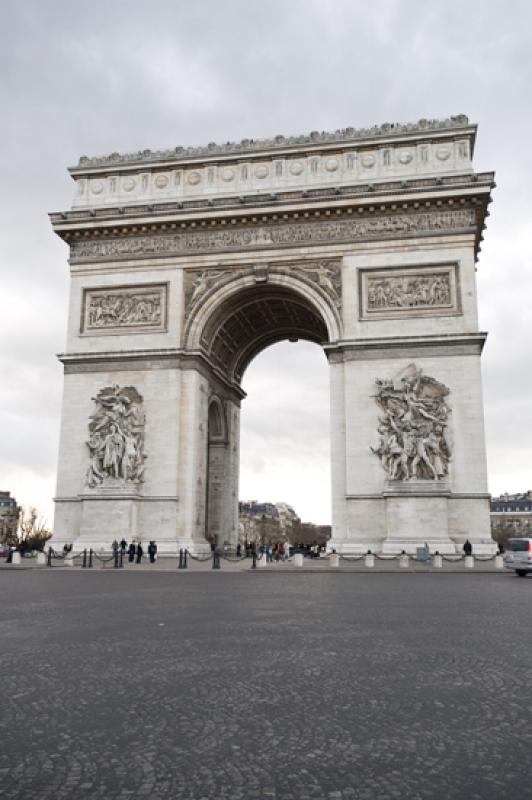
(182, 273)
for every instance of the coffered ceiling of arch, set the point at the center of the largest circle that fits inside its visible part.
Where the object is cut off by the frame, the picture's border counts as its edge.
(254, 319)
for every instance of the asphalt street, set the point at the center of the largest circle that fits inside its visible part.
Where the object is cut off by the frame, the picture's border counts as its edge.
(119, 685)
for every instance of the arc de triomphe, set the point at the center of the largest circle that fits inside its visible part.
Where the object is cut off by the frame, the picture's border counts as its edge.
(185, 264)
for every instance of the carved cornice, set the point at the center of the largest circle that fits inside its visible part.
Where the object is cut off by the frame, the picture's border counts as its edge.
(467, 344)
(343, 229)
(163, 358)
(307, 198)
(279, 142)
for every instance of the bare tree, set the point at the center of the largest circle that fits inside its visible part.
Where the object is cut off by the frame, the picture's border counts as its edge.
(33, 532)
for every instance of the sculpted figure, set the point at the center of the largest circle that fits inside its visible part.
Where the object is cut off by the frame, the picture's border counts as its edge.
(412, 430)
(116, 437)
(114, 453)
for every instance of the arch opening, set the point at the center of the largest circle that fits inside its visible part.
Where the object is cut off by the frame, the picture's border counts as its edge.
(285, 441)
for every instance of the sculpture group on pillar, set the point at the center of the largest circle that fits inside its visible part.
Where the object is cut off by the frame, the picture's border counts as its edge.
(116, 437)
(412, 429)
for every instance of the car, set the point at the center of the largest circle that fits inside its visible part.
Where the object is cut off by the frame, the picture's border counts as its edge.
(4, 550)
(519, 556)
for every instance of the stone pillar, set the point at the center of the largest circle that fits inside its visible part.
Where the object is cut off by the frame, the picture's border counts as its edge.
(338, 454)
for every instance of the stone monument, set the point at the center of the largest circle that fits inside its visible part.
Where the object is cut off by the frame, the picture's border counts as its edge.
(186, 263)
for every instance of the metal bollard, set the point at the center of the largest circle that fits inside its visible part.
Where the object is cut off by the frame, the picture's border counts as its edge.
(180, 565)
(437, 561)
(215, 559)
(84, 562)
(370, 559)
(121, 565)
(115, 563)
(90, 557)
(254, 560)
(185, 558)
(49, 561)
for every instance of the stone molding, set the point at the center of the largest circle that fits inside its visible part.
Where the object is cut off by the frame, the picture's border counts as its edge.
(342, 230)
(414, 291)
(450, 496)
(135, 308)
(407, 347)
(147, 360)
(82, 497)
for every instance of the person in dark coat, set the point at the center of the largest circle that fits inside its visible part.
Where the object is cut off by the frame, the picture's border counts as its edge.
(468, 547)
(131, 552)
(152, 552)
(123, 546)
(140, 553)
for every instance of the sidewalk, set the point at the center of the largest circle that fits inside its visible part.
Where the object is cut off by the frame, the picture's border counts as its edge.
(316, 566)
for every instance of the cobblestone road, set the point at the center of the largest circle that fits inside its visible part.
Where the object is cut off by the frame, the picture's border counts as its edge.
(212, 686)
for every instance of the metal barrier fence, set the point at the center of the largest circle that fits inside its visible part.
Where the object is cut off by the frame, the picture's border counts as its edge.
(87, 558)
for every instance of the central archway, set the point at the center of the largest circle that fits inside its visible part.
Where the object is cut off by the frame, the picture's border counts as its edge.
(231, 326)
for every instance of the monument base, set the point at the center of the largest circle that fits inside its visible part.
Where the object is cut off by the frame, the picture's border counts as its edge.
(417, 514)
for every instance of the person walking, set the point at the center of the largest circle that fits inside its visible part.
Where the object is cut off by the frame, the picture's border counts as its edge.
(140, 553)
(131, 552)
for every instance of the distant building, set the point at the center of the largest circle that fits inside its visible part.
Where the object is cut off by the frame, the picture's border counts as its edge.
(9, 516)
(511, 516)
(265, 523)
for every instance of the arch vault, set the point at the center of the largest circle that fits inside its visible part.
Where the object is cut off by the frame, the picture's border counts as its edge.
(186, 264)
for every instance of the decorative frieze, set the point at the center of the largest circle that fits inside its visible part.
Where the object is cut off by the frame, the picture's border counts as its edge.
(412, 429)
(116, 438)
(124, 309)
(407, 292)
(366, 228)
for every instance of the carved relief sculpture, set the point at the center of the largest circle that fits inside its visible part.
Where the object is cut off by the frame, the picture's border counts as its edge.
(415, 292)
(327, 275)
(413, 425)
(409, 292)
(116, 437)
(124, 309)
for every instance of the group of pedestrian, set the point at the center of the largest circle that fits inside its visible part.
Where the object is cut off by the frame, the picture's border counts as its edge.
(134, 551)
(280, 551)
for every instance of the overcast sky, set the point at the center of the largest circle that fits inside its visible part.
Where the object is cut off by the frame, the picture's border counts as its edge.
(93, 78)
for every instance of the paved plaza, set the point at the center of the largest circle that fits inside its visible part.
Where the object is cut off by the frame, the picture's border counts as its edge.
(119, 685)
